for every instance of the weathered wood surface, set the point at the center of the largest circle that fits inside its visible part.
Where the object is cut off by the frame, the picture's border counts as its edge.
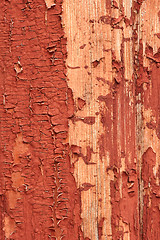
(80, 119)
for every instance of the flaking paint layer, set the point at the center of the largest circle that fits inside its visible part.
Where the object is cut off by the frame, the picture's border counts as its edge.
(79, 119)
(113, 52)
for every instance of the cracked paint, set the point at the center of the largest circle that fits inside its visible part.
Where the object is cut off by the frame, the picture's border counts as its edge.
(79, 119)
(38, 194)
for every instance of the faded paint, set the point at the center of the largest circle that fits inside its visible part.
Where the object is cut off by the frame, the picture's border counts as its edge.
(90, 75)
(105, 59)
(9, 226)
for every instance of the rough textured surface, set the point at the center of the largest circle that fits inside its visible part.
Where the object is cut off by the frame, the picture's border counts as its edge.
(113, 55)
(38, 195)
(80, 120)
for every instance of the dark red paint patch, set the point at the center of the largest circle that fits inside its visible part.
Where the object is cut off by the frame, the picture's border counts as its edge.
(36, 103)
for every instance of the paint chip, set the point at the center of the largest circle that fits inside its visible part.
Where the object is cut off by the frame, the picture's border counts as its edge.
(9, 226)
(50, 3)
(18, 67)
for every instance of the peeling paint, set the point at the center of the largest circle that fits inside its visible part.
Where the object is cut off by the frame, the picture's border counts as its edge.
(79, 120)
(116, 134)
(39, 198)
(50, 3)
